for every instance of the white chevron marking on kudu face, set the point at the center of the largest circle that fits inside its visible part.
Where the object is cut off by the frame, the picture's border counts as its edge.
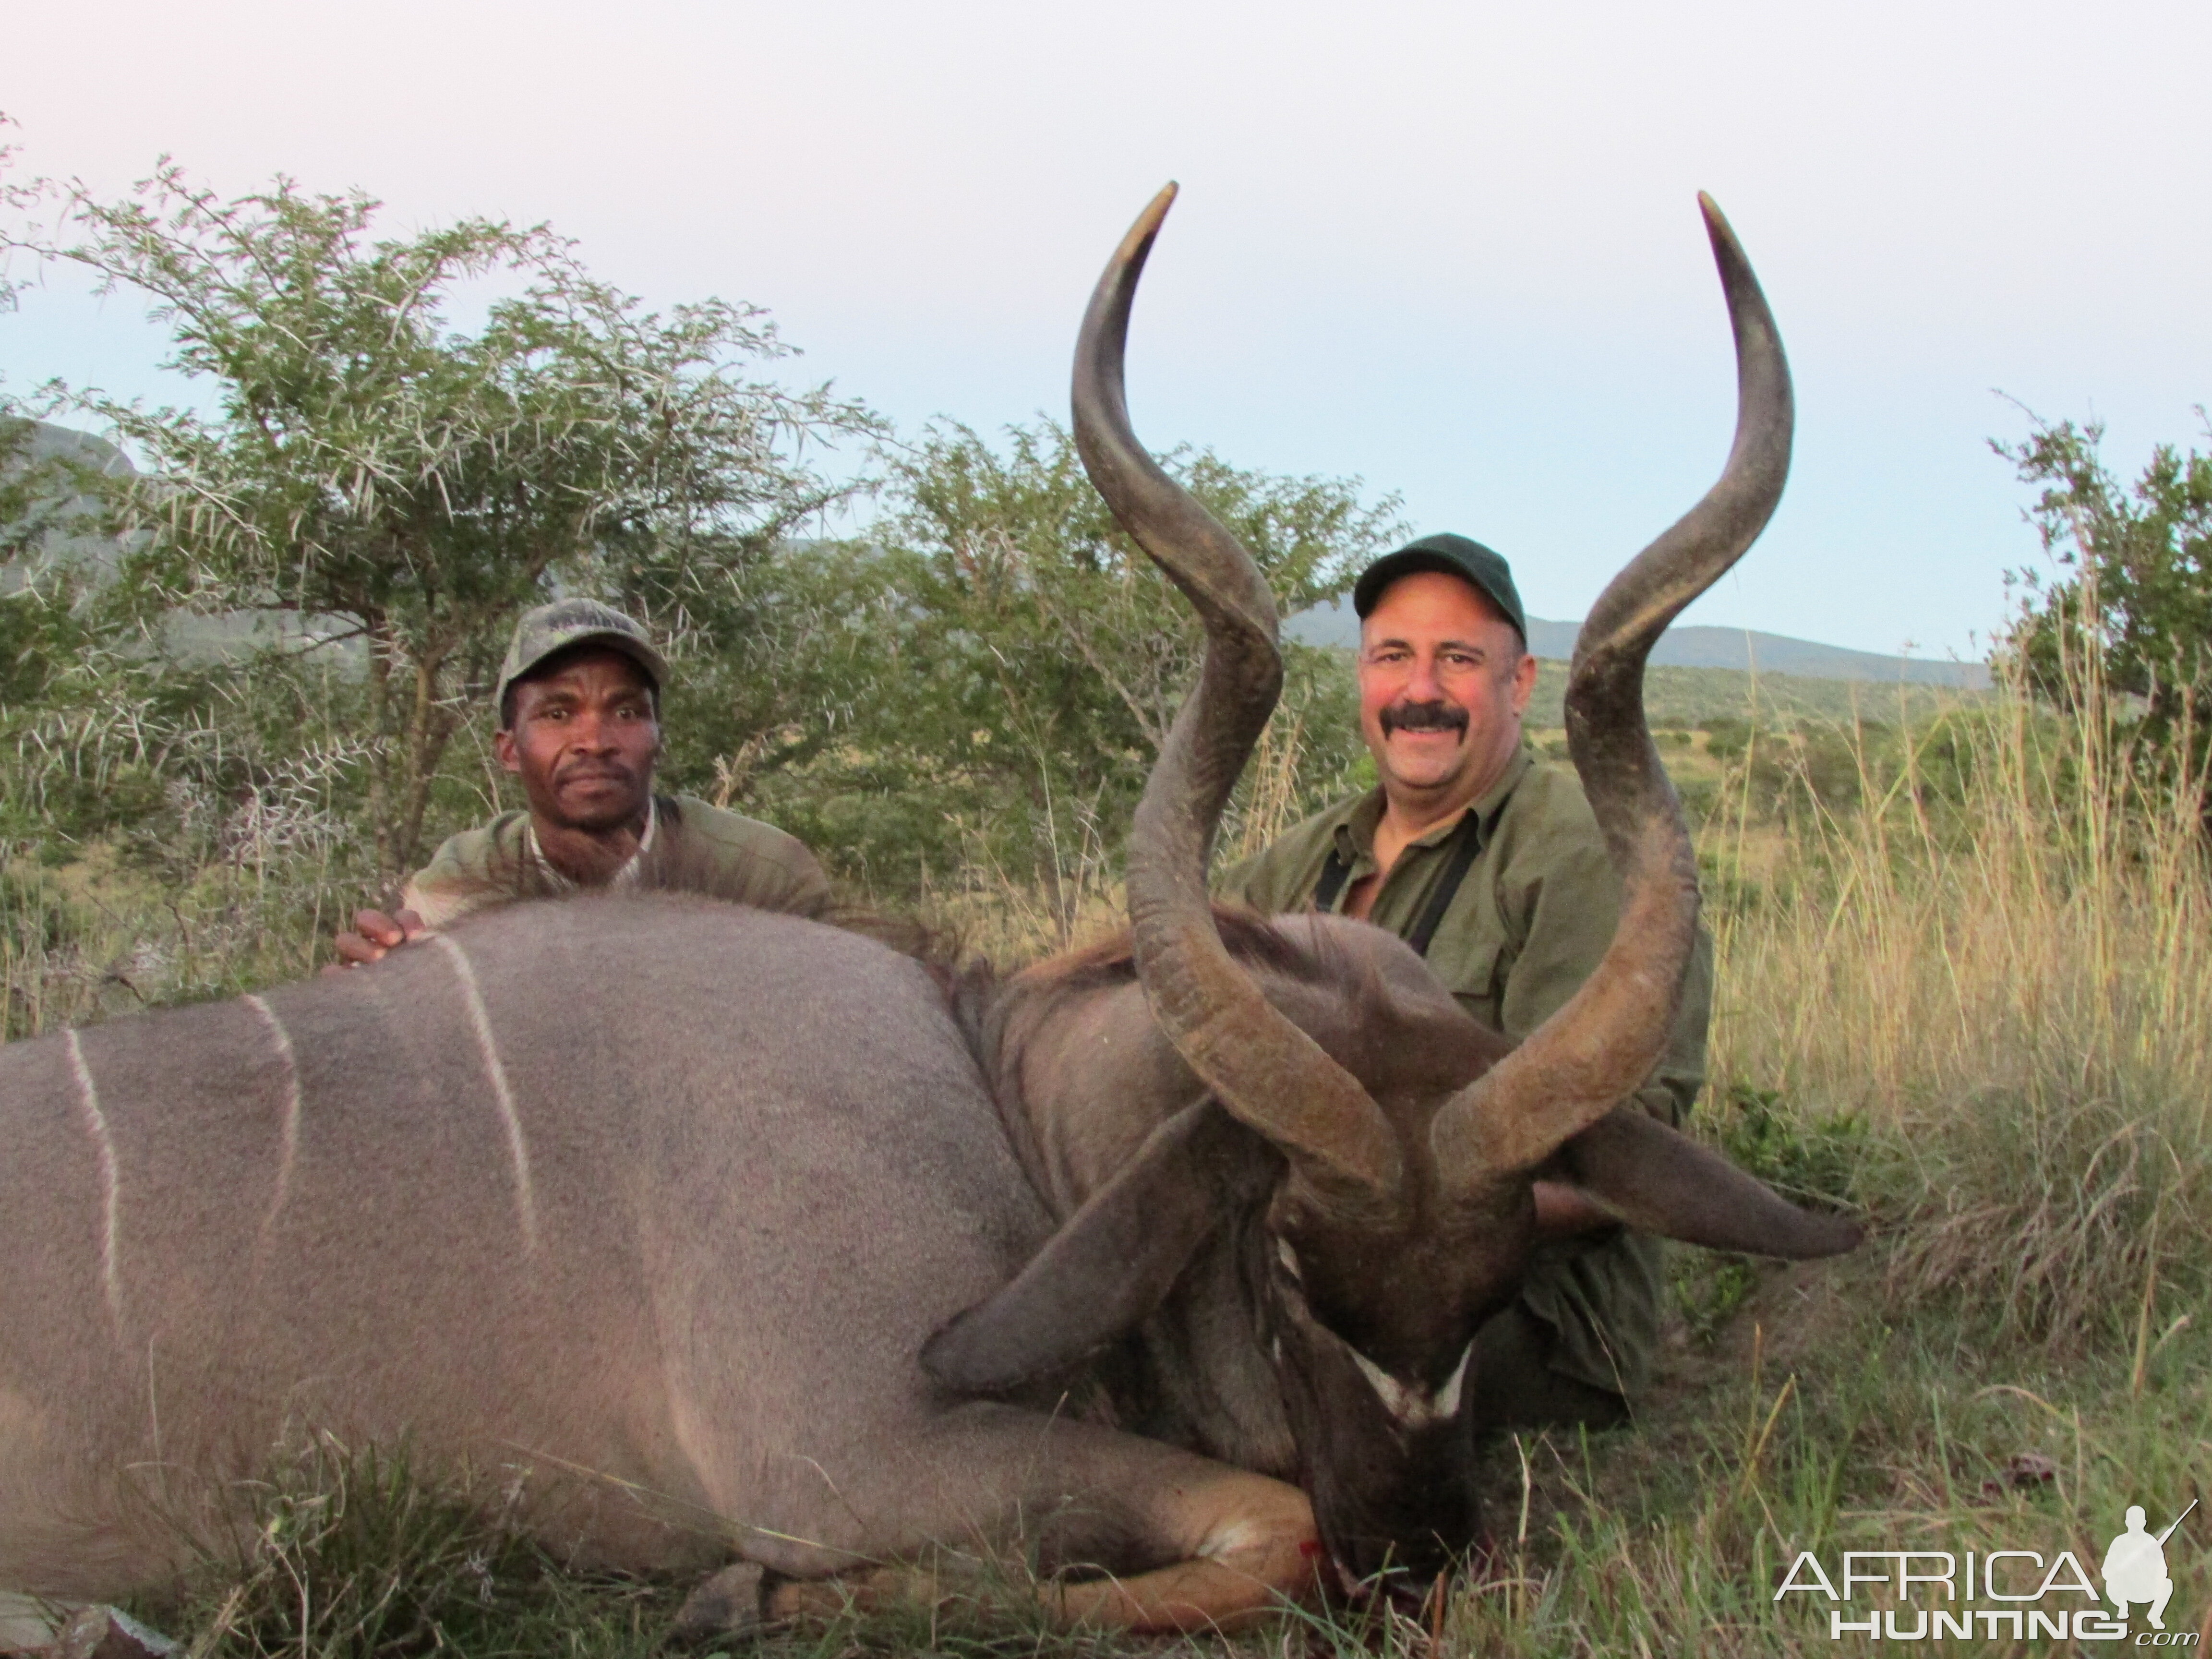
(110, 1180)
(526, 1196)
(1411, 1406)
(288, 1150)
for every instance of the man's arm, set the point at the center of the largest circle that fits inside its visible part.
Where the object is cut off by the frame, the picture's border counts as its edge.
(747, 862)
(457, 879)
(1254, 883)
(796, 884)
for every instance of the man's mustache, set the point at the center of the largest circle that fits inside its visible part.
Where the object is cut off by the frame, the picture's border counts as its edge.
(1424, 717)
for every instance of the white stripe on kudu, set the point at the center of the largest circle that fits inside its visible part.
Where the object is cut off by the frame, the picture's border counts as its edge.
(289, 1154)
(525, 1201)
(110, 1180)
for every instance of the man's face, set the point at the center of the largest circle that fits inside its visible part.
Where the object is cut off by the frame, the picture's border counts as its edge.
(1443, 683)
(584, 740)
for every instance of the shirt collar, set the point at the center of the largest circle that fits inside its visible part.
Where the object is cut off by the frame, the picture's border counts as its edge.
(1354, 830)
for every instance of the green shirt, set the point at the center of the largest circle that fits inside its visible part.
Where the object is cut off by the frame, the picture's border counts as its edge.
(697, 845)
(1530, 922)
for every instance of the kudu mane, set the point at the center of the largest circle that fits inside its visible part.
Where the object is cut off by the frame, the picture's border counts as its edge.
(1250, 940)
(995, 1005)
(1376, 1028)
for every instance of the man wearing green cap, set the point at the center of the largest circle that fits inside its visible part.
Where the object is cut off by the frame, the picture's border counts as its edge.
(1489, 863)
(579, 702)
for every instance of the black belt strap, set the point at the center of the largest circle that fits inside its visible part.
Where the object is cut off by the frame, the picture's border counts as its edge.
(1466, 842)
(1332, 881)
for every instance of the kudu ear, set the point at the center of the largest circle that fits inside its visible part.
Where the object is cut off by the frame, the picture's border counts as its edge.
(1663, 1182)
(1111, 1265)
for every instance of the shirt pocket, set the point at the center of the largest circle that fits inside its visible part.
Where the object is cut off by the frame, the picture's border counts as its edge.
(1469, 970)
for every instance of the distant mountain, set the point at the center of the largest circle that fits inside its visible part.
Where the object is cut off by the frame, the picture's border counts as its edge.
(47, 443)
(64, 541)
(1745, 650)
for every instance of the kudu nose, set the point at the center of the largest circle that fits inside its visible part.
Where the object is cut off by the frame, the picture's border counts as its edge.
(1394, 1524)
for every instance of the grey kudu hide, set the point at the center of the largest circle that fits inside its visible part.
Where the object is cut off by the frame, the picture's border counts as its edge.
(746, 1237)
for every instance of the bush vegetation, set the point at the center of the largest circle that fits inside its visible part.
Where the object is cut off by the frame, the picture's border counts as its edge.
(1965, 989)
(1972, 1003)
(2131, 582)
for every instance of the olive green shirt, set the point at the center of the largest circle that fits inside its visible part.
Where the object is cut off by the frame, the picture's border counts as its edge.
(1530, 920)
(687, 841)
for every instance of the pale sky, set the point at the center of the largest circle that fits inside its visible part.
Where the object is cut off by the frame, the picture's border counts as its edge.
(1452, 249)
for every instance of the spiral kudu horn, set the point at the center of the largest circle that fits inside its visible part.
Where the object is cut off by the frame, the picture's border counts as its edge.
(1591, 1054)
(1264, 1070)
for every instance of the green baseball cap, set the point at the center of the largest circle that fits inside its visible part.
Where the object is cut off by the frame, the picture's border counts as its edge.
(1456, 555)
(546, 629)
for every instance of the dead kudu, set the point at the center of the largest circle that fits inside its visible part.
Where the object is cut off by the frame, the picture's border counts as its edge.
(749, 1239)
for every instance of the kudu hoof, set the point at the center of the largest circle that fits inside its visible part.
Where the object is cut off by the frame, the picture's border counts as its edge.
(728, 1604)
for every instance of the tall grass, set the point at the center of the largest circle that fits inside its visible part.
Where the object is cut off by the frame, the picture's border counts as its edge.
(2005, 969)
(99, 939)
(1991, 981)
(1976, 1005)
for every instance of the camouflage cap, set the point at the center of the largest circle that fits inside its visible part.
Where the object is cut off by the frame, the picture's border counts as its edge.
(546, 629)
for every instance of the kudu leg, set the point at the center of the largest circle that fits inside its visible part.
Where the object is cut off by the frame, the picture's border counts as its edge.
(1252, 1548)
(1237, 1547)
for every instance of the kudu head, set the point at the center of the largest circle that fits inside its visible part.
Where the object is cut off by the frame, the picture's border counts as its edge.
(1392, 1213)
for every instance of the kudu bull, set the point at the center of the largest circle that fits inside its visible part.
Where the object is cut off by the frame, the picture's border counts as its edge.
(680, 1205)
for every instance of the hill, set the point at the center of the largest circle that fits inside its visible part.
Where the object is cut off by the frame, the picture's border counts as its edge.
(57, 524)
(1698, 673)
(1743, 650)
(61, 447)
(1681, 699)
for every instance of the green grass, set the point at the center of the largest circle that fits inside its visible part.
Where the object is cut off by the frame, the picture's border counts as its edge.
(1821, 1424)
(349, 1553)
(101, 937)
(1972, 1003)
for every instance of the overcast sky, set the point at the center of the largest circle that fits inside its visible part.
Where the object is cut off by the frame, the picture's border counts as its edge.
(1452, 249)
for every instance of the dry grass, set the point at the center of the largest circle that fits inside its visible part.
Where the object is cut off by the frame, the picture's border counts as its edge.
(1979, 1006)
(99, 938)
(2011, 982)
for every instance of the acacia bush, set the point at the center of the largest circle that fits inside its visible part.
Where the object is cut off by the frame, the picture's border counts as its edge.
(1008, 663)
(2122, 627)
(375, 480)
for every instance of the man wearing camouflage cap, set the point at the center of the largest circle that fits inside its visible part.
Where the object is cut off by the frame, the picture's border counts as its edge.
(1489, 863)
(579, 700)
